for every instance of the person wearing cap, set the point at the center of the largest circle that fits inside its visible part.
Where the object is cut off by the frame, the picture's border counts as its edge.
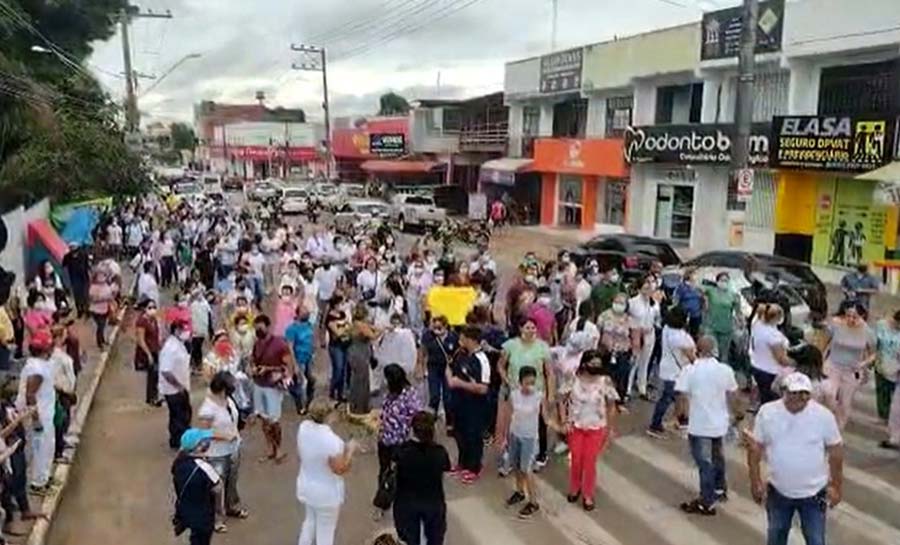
(708, 387)
(219, 413)
(197, 486)
(802, 445)
(36, 391)
(175, 380)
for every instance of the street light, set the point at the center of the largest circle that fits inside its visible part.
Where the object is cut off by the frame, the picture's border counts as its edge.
(170, 70)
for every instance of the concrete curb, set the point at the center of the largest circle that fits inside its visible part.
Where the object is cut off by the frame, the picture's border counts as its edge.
(60, 476)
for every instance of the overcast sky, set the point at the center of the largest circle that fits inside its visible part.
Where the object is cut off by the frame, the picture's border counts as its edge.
(373, 46)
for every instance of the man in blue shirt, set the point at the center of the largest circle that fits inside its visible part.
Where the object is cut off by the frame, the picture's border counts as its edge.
(299, 336)
(689, 298)
(859, 285)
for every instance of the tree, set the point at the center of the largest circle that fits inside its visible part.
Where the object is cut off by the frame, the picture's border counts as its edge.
(393, 104)
(182, 136)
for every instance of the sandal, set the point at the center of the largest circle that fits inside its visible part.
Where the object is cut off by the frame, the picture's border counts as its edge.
(697, 507)
(220, 528)
(238, 514)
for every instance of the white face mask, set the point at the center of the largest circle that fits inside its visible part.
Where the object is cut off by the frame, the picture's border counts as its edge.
(243, 328)
(723, 284)
(614, 278)
(544, 300)
(184, 336)
(618, 308)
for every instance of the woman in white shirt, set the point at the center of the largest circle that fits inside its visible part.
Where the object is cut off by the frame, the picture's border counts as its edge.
(678, 351)
(768, 350)
(369, 279)
(324, 460)
(644, 310)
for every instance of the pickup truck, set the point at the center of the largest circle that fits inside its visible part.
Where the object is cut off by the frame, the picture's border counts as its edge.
(416, 210)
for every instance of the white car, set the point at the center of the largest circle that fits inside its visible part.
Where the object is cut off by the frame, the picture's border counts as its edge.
(360, 211)
(212, 184)
(294, 200)
(408, 210)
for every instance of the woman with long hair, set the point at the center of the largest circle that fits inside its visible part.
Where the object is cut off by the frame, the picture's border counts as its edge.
(359, 359)
(768, 350)
(337, 324)
(588, 418)
(851, 353)
(400, 405)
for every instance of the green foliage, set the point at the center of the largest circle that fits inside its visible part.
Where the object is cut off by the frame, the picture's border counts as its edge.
(182, 136)
(393, 104)
(59, 135)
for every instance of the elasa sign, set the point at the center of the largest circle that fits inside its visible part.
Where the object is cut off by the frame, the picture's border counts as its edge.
(842, 143)
(692, 144)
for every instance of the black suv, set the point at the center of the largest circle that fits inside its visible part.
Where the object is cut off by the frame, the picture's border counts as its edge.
(631, 254)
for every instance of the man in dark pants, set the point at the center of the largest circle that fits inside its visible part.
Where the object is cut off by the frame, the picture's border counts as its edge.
(468, 378)
(15, 482)
(77, 264)
(175, 381)
(438, 346)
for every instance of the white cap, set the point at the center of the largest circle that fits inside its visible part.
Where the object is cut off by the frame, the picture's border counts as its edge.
(797, 382)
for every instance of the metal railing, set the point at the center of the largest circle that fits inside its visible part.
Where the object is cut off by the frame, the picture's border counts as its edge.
(484, 135)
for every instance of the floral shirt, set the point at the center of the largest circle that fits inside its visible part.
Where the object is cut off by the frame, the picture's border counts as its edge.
(396, 417)
(888, 342)
(616, 331)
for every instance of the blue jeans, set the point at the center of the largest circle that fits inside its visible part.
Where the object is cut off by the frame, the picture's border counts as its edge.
(338, 355)
(258, 292)
(662, 405)
(707, 453)
(781, 510)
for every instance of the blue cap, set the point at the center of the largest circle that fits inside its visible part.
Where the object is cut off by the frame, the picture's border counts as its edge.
(193, 437)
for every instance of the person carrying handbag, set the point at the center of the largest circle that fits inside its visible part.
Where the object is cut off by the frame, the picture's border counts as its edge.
(196, 486)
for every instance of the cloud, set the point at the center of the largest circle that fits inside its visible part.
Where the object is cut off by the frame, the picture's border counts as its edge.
(373, 46)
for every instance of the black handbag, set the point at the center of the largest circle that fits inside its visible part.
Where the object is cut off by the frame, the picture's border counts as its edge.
(387, 489)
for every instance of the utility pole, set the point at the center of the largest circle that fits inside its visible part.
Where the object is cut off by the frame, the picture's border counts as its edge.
(315, 60)
(743, 107)
(126, 14)
(553, 23)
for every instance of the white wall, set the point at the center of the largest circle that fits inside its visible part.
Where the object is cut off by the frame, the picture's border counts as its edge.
(816, 27)
(522, 78)
(596, 117)
(515, 128)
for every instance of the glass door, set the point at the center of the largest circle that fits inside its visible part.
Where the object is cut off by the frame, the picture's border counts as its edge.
(674, 212)
(570, 200)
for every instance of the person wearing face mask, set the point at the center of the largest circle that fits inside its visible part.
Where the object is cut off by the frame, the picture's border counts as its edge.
(272, 368)
(439, 344)
(243, 338)
(147, 347)
(621, 338)
(605, 290)
(359, 359)
(175, 380)
(678, 352)
(102, 297)
(37, 316)
(397, 345)
(337, 325)
(768, 350)
(588, 416)
(242, 309)
(327, 277)
(201, 326)
(644, 310)
(722, 307)
(592, 272)
(285, 310)
(689, 297)
(255, 263)
(48, 283)
(416, 286)
(180, 312)
(168, 268)
(541, 313)
(369, 280)
(859, 285)
(309, 293)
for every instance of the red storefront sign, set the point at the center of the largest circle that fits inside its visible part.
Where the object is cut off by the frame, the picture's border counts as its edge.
(265, 153)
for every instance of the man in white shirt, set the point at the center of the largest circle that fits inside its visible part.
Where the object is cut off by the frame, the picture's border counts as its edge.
(804, 450)
(328, 277)
(708, 387)
(36, 391)
(114, 238)
(175, 381)
(201, 326)
(147, 287)
(319, 245)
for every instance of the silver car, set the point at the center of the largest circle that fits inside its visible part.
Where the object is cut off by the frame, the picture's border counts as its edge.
(358, 212)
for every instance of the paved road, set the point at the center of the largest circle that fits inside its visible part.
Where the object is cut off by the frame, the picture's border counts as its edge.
(120, 490)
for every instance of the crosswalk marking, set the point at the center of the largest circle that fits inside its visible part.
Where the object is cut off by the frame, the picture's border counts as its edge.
(847, 515)
(571, 522)
(666, 521)
(480, 523)
(685, 474)
(866, 445)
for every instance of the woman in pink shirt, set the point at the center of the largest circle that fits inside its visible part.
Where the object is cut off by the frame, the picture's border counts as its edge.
(102, 294)
(38, 316)
(285, 310)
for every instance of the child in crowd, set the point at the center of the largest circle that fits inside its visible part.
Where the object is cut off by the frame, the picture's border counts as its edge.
(528, 403)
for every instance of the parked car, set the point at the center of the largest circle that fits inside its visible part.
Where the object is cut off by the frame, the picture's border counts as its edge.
(360, 211)
(631, 254)
(326, 193)
(264, 191)
(295, 200)
(410, 210)
(233, 183)
(212, 183)
(191, 192)
(796, 274)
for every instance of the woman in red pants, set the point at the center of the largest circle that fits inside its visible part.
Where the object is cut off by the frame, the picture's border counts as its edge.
(589, 411)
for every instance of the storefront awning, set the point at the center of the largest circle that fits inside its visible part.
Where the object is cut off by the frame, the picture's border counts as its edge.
(399, 167)
(889, 173)
(888, 178)
(503, 171)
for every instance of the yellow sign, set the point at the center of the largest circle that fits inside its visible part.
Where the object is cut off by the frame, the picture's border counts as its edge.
(451, 302)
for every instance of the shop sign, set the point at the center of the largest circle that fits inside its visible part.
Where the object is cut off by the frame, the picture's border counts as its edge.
(850, 223)
(590, 157)
(387, 144)
(497, 176)
(692, 144)
(840, 143)
(561, 72)
(722, 30)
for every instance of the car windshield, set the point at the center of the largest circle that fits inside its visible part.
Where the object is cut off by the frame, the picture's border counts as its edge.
(356, 191)
(661, 251)
(210, 180)
(420, 200)
(372, 209)
(326, 190)
(295, 194)
(792, 273)
(188, 189)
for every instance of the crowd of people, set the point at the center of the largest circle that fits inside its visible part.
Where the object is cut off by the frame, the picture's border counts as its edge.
(425, 342)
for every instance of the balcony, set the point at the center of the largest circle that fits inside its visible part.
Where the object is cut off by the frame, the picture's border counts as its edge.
(485, 137)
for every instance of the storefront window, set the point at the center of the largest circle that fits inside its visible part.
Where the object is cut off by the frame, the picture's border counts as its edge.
(674, 212)
(614, 199)
(570, 199)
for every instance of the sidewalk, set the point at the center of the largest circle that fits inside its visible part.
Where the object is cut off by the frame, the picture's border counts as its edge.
(93, 364)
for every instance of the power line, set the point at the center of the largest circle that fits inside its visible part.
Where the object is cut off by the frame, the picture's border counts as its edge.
(386, 25)
(454, 7)
(363, 20)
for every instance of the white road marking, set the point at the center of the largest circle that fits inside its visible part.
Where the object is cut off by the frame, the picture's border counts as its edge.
(480, 523)
(571, 521)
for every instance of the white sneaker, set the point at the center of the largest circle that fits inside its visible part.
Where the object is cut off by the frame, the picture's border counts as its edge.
(560, 448)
